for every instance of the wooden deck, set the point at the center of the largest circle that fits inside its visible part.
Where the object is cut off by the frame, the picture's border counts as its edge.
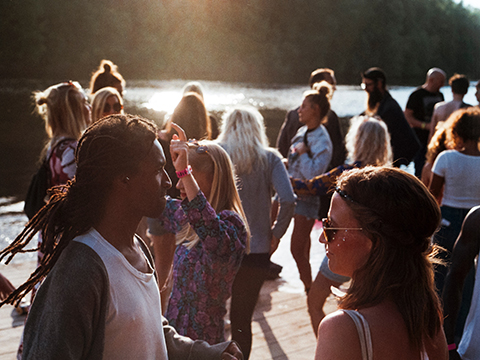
(281, 324)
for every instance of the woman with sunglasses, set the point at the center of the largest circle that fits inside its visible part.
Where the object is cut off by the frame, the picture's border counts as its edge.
(368, 143)
(211, 236)
(378, 232)
(106, 101)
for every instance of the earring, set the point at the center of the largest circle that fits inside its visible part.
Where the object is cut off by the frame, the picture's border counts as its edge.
(127, 178)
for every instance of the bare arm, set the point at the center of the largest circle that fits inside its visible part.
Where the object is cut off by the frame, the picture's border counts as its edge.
(464, 252)
(433, 124)
(411, 119)
(337, 338)
(436, 187)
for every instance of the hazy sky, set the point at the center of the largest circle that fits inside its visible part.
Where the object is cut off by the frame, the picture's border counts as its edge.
(474, 3)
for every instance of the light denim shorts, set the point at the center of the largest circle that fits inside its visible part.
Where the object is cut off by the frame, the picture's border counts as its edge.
(330, 275)
(309, 208)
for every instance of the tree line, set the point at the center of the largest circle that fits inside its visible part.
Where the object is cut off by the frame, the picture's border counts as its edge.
(259, 41)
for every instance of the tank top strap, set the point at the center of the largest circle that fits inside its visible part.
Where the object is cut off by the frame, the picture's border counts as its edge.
(363, 333)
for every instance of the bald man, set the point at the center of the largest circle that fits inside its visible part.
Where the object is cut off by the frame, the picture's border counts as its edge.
(419, 111)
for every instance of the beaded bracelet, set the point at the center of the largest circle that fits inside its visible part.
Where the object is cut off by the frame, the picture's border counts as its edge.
(185, 172)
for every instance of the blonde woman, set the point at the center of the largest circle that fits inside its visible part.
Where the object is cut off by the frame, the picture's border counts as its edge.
(211, 235)
(67, 113)
(65, 109)
(106, 101)
(261, 173)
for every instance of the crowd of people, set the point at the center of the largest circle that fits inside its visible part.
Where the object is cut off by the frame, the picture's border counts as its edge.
(145, 233)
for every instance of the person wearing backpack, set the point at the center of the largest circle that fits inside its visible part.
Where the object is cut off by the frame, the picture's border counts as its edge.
(65, 109)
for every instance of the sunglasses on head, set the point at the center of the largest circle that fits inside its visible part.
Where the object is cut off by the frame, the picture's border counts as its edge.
(117, 107)
(201, 149)
(329, 231)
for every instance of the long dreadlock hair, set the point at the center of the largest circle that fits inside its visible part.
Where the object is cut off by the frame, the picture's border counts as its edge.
(109, 148)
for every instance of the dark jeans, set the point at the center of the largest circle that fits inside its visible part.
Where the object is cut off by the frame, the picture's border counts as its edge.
(246, 288)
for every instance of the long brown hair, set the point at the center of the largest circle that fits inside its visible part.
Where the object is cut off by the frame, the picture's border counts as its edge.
(399, 215)
(109, 148)
(191, 115)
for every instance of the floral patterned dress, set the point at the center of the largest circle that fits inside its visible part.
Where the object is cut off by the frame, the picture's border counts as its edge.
(203, 275)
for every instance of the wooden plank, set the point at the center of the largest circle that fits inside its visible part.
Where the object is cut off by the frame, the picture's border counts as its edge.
(281, 324)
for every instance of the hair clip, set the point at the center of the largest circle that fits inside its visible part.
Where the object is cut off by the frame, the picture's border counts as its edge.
(344, 194)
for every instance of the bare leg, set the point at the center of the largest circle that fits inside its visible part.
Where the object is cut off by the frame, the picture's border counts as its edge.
(300, 248)
(319, 292)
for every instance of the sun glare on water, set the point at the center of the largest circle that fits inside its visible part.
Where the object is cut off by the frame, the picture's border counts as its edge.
(167, 100)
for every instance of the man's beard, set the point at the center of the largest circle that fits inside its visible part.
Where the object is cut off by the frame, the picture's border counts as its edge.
(374, 99)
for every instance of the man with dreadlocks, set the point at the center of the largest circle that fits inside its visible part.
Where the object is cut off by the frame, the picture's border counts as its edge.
(100, 299)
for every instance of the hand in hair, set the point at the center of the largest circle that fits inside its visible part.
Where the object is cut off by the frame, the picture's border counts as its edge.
(179, 148)
(179, 152)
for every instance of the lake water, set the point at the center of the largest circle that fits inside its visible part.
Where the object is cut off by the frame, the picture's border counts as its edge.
(22, 134)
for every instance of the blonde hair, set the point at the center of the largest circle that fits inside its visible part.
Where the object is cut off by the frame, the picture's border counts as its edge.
(62, 107)
(243, 137)
(368, 141)
(100, 98)
(212, 159)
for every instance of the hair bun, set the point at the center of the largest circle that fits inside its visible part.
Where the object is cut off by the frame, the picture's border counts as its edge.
(42, 101)
(107, 67)
(324, 90)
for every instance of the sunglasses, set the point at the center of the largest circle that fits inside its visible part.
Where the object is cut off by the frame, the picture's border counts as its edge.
(201, 149)
(116, 107)
(329, 232)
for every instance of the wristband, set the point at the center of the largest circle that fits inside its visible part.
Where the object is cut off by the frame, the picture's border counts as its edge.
(452, 346)
(423, 126)
(185, 172)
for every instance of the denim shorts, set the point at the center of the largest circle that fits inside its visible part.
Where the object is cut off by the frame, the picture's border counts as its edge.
(309, 208)
(330, 275)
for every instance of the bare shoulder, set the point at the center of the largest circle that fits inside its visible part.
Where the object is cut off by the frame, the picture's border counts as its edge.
(337, 338)
(436, 348)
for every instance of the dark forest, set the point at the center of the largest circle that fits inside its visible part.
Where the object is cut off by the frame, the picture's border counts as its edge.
(258, 41)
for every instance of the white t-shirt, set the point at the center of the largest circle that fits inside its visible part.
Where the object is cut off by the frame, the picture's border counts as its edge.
(462, 178)
(134, 327)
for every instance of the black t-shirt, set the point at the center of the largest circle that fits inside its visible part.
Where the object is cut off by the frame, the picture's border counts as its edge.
(422, 102)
